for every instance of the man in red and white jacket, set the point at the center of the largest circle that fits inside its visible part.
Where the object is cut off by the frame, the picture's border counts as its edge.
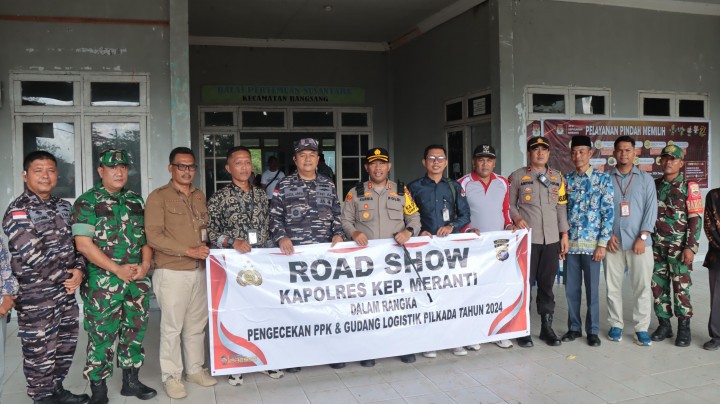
(488, 195)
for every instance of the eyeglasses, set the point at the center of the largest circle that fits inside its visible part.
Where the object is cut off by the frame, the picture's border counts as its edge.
(185, 167)
(439, 159)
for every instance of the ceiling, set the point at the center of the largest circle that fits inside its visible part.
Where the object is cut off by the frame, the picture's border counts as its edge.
(348, 20)
(379, 22)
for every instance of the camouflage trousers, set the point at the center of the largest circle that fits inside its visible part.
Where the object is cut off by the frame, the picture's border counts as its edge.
(48, 336)
(117, 312)
(670, 271)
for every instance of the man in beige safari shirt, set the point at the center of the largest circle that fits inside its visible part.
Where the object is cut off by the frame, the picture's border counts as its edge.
(176, 228)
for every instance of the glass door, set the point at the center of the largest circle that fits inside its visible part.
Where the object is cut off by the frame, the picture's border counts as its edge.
(457, 145)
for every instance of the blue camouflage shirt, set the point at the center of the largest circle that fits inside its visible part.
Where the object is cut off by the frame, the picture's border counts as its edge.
(42, 248)
(8, 283)
(590, 210)
(305, 211)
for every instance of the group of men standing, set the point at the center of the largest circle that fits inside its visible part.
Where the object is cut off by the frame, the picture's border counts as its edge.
(55, 247)
(624, 219)
(106, 242)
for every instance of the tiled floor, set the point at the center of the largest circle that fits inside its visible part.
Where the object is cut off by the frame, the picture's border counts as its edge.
(570, 373)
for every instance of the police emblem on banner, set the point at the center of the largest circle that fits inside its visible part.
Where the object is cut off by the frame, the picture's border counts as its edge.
(247, 275)
(501, 249)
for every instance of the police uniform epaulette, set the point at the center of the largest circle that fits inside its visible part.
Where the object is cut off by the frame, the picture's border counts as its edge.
(360, 188)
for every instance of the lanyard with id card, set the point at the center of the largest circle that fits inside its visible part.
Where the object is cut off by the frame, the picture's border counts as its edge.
(624, 205)
(252, 237)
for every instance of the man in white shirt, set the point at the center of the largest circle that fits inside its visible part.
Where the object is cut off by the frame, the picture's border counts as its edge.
(488, 195)
(271, 176)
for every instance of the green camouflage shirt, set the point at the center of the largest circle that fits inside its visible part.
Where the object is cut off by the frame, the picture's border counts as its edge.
(676, 228)
(116, 223)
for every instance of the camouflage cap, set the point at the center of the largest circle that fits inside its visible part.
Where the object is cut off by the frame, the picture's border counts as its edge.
(307, 143)
(673, 151)
(113, 157)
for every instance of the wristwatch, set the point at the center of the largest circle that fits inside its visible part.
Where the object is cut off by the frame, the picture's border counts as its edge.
(230, 241)
(411, 230)
(643, 237)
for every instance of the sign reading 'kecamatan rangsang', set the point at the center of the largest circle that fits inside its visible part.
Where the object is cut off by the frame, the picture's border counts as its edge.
(286, 95)
(348, 303)
(650, 138)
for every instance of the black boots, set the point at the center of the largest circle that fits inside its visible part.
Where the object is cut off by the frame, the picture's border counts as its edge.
(99, 392)
(525, 342)
(663, 331)
(131, 386)
(683, 335)
(546, 332)
(63, 396)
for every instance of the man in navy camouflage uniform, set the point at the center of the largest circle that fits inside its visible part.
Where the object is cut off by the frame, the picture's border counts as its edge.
(675, 242)
(305, 208)
(109, 231)
(8, 291)
(48, 270)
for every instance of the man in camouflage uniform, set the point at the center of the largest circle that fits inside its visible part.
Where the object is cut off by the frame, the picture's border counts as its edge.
(8, 293)
(109, 232)
(48, 271)
(238, 218)
(305, 208)
(378, 209)
(675, 242)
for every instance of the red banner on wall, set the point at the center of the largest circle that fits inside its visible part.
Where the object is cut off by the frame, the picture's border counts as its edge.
(650, 138)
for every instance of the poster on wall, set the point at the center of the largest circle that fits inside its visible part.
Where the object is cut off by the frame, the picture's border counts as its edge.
(650, 138)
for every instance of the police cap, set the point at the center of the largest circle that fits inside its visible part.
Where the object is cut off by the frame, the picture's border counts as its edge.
(377, 154)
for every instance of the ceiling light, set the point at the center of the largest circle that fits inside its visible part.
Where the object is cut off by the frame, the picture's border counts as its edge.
(328, 8)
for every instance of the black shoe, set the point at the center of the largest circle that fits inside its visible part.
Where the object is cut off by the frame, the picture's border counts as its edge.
(593, 340)
(571, 335)
(408, 358)
(546, 332)
(367, 363)
(99, 392)
(711, 345)
(63, 396)
(683, 336)
(525, 342)
(45, 400)
(663, 331)
(293, 370)
(337, 365)
(132, 387)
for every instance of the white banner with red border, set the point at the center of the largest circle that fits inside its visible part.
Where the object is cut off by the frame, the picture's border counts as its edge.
(347, 303)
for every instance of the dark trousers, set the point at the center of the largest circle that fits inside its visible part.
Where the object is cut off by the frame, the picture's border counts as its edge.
(48, 336)
(714, 323)
(581, 268)
(543, 270)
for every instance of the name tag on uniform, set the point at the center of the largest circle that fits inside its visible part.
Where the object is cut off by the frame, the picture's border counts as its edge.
(446, 214)
(624, 209)
(203, 234)
(252, 237)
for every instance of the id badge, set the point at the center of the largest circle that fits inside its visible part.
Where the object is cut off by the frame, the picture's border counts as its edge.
(252, 237)
(624, 209)
(446, 214)
(204, 234)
